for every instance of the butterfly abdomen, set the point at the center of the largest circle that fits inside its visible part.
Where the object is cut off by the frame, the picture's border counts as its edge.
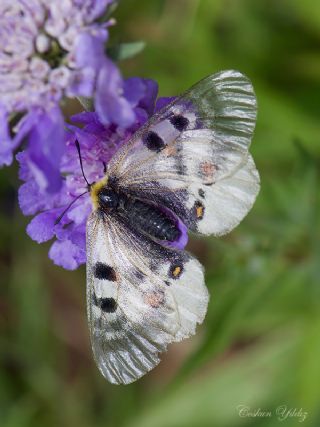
(151, 220)
(142, 216)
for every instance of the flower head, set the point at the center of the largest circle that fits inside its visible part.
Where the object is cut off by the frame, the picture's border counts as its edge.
(40, 45)
(98, 143)
(50, 51)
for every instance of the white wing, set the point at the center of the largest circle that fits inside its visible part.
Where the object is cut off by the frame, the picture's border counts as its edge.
(140, 297)
(193, 156)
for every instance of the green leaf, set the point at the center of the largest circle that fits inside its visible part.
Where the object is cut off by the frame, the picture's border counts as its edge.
(125, 50)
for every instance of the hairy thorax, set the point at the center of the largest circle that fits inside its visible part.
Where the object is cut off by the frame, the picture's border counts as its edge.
(146, 217)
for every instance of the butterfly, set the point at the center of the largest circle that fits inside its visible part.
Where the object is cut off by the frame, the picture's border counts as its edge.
(187, 169)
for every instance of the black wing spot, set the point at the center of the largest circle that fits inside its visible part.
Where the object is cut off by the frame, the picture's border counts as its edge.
(153, 141)
(179, 122)
(104, 272)
(108, 305)
(201, 193)
(175, 270)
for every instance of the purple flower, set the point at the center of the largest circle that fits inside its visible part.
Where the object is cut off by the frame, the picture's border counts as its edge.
(98, 143)
(40, 42)
(51, 51)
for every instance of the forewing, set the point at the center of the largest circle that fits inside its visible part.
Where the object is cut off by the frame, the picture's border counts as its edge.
(193, 156)
(140, 297)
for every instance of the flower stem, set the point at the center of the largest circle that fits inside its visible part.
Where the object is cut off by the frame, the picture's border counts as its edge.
(87, 103)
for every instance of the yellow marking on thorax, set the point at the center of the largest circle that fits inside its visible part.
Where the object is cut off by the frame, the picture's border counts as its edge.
(94, 190)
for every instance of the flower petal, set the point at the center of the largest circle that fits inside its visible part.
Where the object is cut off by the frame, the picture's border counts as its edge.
(30, 199)
(89, 51)
(110, 103)
(80, 213)
(163, 102)
(134, 90)
(67, 254)
(85, 117)
(41, 228)
(6, 146)
(45, 150)
(141, 93)
(82, 83)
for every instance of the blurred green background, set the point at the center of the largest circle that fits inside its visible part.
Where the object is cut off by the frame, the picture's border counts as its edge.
(260, 343)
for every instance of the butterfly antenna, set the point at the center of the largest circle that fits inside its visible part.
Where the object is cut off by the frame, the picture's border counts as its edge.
(81, 165)
(69, 206)
(80, 195)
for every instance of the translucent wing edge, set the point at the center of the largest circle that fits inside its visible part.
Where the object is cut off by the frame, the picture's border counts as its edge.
(231, 98)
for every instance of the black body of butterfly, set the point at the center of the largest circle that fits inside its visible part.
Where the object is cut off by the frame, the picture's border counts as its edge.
(187, 169)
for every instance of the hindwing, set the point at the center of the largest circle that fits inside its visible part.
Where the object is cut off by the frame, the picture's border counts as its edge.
(140, 297)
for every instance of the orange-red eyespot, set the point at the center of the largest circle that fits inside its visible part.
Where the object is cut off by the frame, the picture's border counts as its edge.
(207, 170)
(199, 209)
(154, 299)
(175, 270)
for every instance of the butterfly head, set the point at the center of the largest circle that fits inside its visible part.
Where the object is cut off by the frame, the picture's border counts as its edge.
(108, 199)
(101, 195)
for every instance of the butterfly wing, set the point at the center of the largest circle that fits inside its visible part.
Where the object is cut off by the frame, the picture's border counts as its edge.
(193, 155)
(140, 297)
